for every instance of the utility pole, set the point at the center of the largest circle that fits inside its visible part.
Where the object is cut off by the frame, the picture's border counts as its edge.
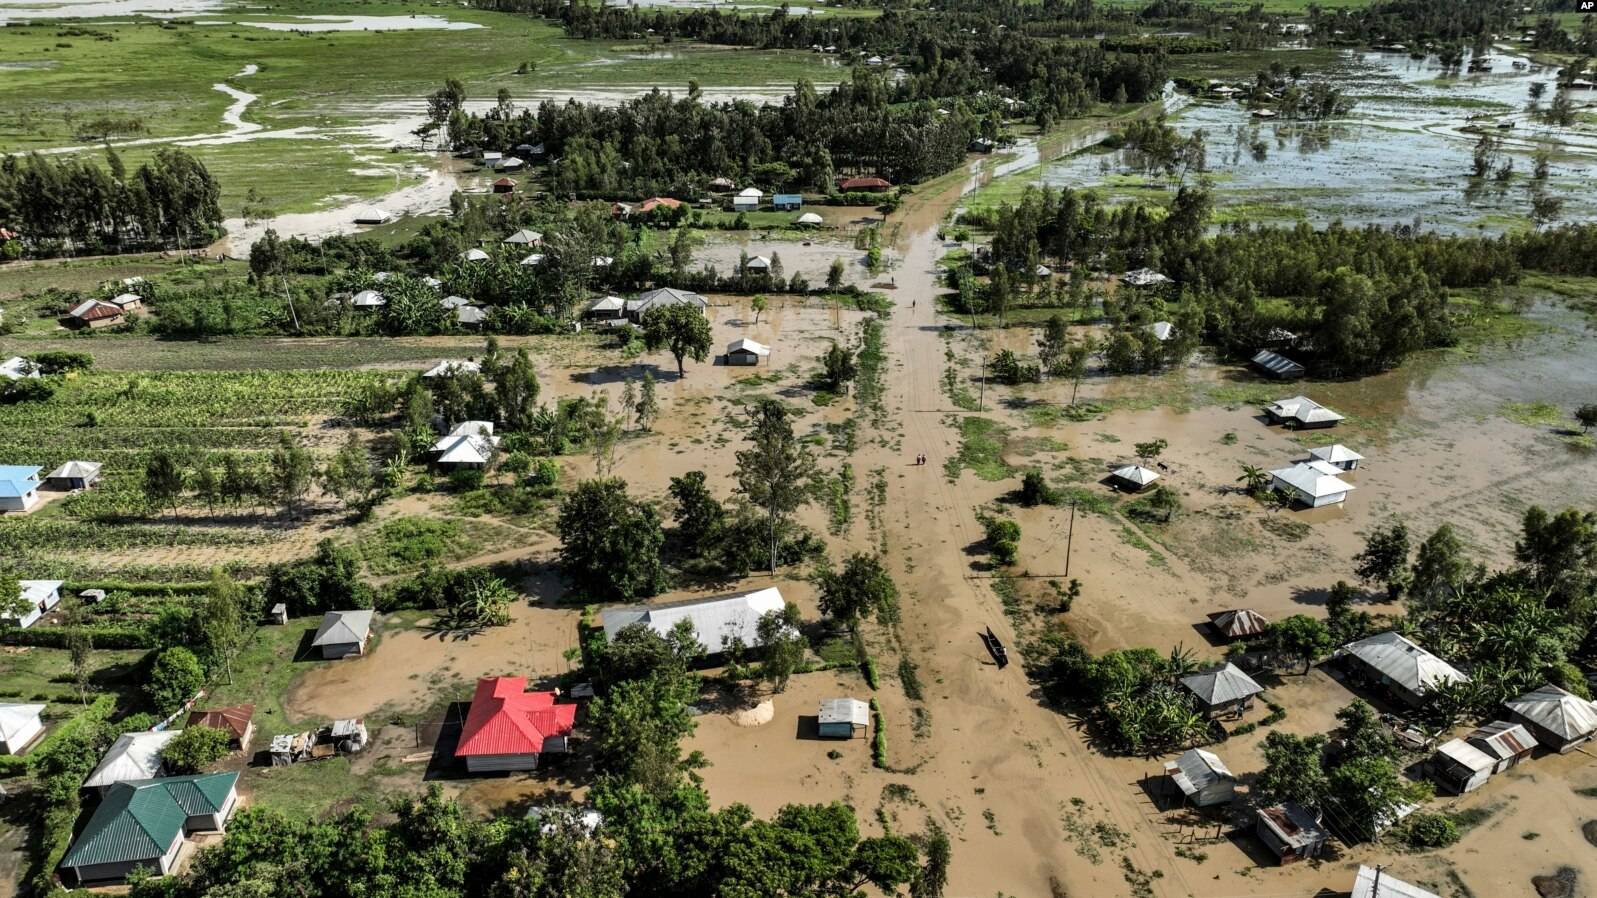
(1070, 537)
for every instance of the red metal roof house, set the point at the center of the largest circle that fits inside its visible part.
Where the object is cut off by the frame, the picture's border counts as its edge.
(864, 185)
(508, 727)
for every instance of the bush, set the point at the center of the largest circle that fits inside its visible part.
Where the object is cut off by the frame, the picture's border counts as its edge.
(196, 748)
(872, 679)
(105, 636)
(465, 480)
(1423, 829)
(175, 676)
(544, 472)
(1003, 538)
(879, 737)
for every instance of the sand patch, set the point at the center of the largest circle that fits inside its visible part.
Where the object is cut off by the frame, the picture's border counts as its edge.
(759, 715)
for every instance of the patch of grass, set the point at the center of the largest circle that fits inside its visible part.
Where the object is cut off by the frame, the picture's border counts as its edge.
(909, 678)
(310, 788)
(1134, 539)
(838, 652)
(404, 544)
(1534, 414)
(981, 449)
(1284, 527)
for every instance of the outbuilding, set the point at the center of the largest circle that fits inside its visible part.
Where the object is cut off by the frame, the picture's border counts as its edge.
(1133, 478)
(1338, 455)
(95, 314)
(1314, 484)
(808, 220)
(504, 185)
(368, 299)
(1202, 778)
(524, 237)
(841, 718)
(1277, 365)
(371, 215)
(744, 351)
(74, 475)
(1559, 719)
(1238, 623)
(19, 487)
(1393, 661)
(142, 823)
(343, 633)
(40, 596)
(20, 726)
(865, 185)
(1290, 831)
(1505, 742)
(132, 757)
(1461, 767)
(1226, 690)
(127, 302)
(237, 721)
(509, 728)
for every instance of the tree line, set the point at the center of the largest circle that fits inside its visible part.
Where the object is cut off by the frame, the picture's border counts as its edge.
(71, 204)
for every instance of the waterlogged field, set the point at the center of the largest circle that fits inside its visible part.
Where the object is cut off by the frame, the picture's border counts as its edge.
(1402, 157)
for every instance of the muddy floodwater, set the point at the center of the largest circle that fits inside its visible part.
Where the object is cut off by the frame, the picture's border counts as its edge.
(1402, 156)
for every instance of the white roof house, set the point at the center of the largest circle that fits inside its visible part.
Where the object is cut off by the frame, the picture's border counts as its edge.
(752, 193)
(474, 255)
(1143, 277)
(17, 368)
(454, 302)
(1043, 271)
(1162, 330)
(840, 710)
(19, 726)
(41, 596)
(758, 263)
(453, 366)
(133, 756)
(76, 470)
(1302, 411)
(1461, 767)
(1409, 670)
(1337, 454)
(470, 315)
(716, 621)
(1202, 777)
(1224, 686)
(1373, 883)
(606, 305)
(1135, 476)
(808, 218)
(524, 237)
(603, 261)
(533, 259)
(1314, 483)
(371, 215)
(470, 443)
(368, 299)
(1560, 719)
(124, 300)
(343, 633)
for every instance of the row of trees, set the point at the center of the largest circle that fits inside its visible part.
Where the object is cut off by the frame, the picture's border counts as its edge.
(71, 204)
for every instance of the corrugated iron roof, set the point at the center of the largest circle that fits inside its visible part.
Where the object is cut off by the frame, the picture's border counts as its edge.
(1503, 739)
(234, 720)
(1557, 711)
(1222, 685)
(139, 820)
(1403, 662)
(340, 627)
(506, 719)
(1239, 622)
(715, 621)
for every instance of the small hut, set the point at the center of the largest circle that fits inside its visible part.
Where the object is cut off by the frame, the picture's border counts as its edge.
(841, 718)
(1290, 831)
(1223, 691)
(1338, 455)
(1238, 623)
(1202, 777)
(343, 633)
(1133, 478)
(744, 351)
(1505, 742)
(1461, 767)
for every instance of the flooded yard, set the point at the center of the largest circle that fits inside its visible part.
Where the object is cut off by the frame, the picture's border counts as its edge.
(1402, 156)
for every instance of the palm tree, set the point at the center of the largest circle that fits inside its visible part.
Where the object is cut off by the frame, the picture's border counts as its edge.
(1253, 478)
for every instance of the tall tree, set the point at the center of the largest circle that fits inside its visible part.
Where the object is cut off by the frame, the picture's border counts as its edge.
(681, 329)
(861, 589)
(165, 477)
(776, 473)
(1385, 558)
(516, 392)
(224, 619)
(648, 407)
(350, 475)
(782, 645)
(291, 471)
(610, 543)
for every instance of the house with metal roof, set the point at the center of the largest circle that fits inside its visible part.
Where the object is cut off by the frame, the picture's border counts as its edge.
(841, 718)
(475, 255)
(1560, 720)
(1277, 365)
(1224, 690)
(865, 185)
(1461, 767)
(127, 302)
(744, 351)
(132, 757)
(95, 314)
(1238, 623)
(470, 316)
(142, 823)
(343, 633)
(19, 487)
(716, 621)
(1300, 412)
(1391, 660)
(1290, 831)
(760, 264)
(808, 219)
(452, 366)
(1338, 455)
(1162, 330)
(368, 299)
(74, 475)
(1505, 742)
(1373, 882)
(787, 202)
(19, 727)
(1314, 484)
(661, 297)
(471, 444)
(1143, 277)
(371, 215)
(524, 237)
(1202, 778)
(509, 728)
(1133, 478)
(237, 721)
(42, 596)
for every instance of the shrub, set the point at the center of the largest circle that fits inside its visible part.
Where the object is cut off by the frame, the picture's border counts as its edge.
(1427, 830)
(174, 677)
(465, 479)
(879, 737)
(1003, 538)
(196, 748)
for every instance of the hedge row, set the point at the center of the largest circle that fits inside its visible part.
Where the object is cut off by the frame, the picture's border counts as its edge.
(105, 636)
(879, 740)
